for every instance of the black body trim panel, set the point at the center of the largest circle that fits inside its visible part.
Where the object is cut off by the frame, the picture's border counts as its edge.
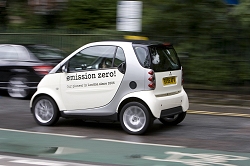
(113, 117)
(171, 111)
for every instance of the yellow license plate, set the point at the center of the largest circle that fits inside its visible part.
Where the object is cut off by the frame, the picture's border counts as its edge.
(169, 80)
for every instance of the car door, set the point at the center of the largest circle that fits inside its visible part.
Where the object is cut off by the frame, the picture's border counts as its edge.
(92, 78)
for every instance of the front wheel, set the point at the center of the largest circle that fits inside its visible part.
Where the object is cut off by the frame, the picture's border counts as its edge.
(173, 120)
(135, 118)
(45, 111)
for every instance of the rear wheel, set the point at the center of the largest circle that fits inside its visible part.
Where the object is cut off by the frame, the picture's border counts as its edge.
(173, 120)
(135, 118)
(45, 111)
(18, 87)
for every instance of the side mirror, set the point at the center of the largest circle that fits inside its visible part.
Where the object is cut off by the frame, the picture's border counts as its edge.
(64, 69)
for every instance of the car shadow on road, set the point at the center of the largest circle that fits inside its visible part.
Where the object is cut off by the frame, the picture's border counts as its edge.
(106, 128)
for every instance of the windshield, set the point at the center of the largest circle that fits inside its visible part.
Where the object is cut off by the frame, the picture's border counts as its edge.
(164, 58)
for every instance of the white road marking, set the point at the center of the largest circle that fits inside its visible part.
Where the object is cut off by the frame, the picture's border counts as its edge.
(37, 162)
(31, 132)
(198, 159)
(137, 143)
(110, 140)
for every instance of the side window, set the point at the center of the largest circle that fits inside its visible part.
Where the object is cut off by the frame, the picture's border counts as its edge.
(8, 52)
(119, 57)
(95, 57)
(142, 56)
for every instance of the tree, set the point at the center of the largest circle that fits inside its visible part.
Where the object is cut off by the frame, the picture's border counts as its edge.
(89, 14)
(242, 13)
(3, 13)
(185, 17)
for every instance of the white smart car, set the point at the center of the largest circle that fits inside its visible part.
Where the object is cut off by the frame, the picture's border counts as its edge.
(134, 82)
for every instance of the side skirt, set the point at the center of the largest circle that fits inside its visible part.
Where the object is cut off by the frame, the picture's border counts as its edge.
(113, 117)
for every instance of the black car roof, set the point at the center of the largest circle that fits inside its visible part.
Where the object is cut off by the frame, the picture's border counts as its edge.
(150, 43)
(146, 42)
(143, 42)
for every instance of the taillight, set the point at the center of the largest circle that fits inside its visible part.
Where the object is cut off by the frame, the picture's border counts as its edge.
(42, 70)
(151, 79)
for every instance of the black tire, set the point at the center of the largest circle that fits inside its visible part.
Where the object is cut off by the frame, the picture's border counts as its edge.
(135, 118)
(45, 111)
(18, 87)
(173, 120)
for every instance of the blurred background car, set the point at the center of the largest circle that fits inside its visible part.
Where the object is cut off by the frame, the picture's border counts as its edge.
(23, 66)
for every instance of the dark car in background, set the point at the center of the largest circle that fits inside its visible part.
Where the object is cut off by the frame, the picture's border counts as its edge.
(23, 66)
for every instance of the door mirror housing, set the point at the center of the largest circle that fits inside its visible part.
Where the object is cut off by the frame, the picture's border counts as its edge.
(64, 68)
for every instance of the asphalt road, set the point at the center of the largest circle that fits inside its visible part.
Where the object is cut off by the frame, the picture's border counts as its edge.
(207, 128)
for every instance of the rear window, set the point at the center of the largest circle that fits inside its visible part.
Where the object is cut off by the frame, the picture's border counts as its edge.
(43, 52)
(160, 58)
(8, 52)
(164, 59)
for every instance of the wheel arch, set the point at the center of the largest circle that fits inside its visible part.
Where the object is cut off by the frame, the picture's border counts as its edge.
(37, 96)
(53, 96)
(132, 99)
(51, 115)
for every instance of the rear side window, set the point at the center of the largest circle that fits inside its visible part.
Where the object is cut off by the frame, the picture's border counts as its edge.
(164, 58)
(44, 52)
(142, 56)
(119, 58)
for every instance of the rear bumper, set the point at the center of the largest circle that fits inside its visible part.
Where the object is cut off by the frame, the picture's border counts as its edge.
(164, 105)
(171, 112)
(172, 104)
